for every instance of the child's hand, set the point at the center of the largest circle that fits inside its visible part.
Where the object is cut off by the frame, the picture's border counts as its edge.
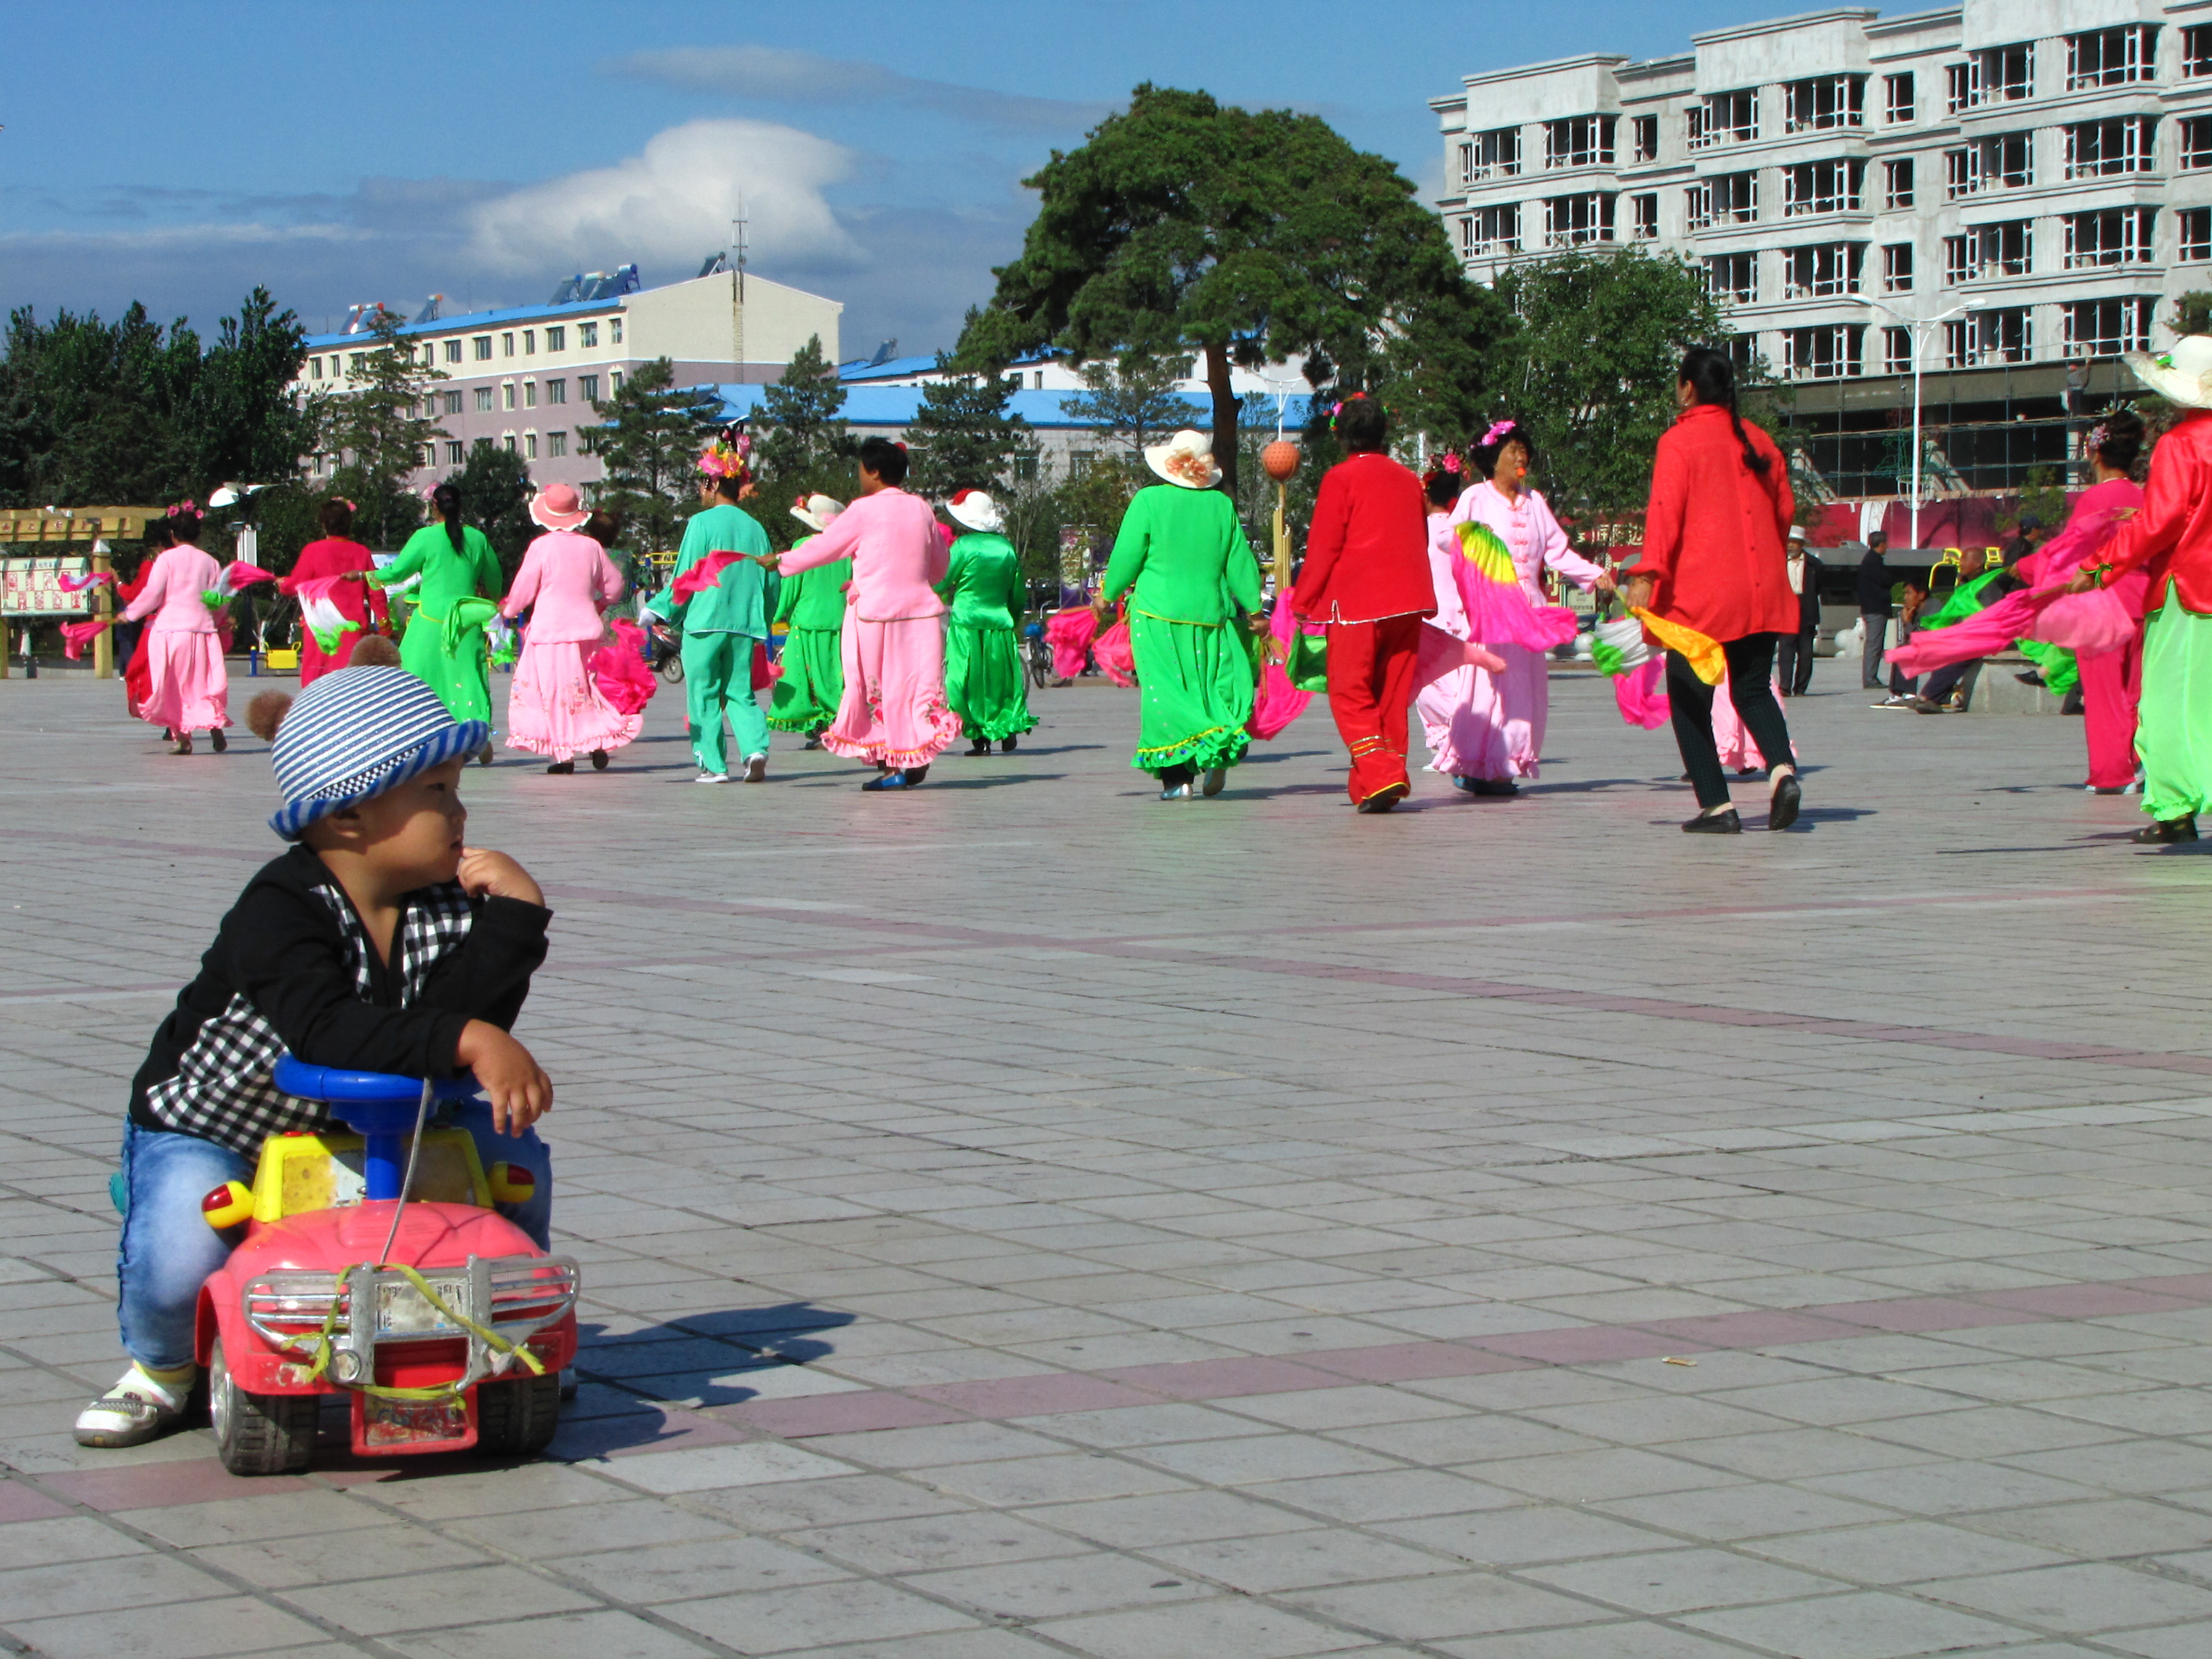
(487, 874)
(520, 1092)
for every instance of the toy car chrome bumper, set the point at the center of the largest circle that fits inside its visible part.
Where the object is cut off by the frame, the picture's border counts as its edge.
(511, 1298)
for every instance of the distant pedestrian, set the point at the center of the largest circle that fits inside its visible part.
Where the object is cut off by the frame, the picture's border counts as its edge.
(985, 683)
(188, 688)
(1793, 655)
(1876, 608)
(1713, 563)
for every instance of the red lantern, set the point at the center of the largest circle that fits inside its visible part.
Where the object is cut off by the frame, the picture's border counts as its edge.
(1279, 460)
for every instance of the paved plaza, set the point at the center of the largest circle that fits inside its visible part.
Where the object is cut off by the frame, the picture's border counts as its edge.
(1023, 1218)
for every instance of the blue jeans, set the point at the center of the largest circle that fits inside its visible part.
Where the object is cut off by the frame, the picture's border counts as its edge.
(168, 1250)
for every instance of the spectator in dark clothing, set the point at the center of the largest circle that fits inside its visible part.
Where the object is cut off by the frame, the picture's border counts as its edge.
(1793, 652)
(1903, 687)
(1874, 608)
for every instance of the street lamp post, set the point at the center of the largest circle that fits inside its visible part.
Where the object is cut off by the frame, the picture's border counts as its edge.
(1918, 328)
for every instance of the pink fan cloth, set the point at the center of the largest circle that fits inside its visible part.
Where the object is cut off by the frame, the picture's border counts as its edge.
(1275, 701)
(77, 635)
(764, 672)
(1440, 654)
(69, 582)
(1069, 633)
(238, 573)
(2086, 623)
(707, 573)
(1641, 694)
(1501, 613)
(619, 671)
(1116, 660)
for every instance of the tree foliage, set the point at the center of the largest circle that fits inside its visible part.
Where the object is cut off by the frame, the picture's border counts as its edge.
(495, 488)
(1185, 226)
(382, 433)
(801, 443)
(130, 413)
(1590, 368)
(1135, 399)
(649, 442)
(964, 435)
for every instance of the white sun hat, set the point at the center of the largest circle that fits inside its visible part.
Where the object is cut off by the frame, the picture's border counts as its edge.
(975, 509)
(816, 512)
(2182, 374)
(1186, 459)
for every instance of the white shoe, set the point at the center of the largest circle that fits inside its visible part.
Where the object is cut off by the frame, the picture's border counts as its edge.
(134, 1411)
(756, 768)
(712, 777)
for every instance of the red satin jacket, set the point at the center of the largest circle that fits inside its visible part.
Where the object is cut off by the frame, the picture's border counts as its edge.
(1712, 534)
(2171, 535)
(1367, 553)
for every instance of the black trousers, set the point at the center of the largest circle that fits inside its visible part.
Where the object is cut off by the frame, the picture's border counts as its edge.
(1793, 660)
(1750, 669)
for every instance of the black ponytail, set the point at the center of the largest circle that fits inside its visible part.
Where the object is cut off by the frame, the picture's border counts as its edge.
(1711, 380)
(448, 500)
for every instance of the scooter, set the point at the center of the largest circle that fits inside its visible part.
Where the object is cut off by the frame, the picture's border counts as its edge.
(374, 1268)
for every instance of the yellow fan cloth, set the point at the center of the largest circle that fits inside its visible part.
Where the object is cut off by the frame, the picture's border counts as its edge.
(1703, 654)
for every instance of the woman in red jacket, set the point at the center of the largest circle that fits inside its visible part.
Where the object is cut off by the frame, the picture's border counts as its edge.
(336, 555)
(1366, 575)
(1713, 562)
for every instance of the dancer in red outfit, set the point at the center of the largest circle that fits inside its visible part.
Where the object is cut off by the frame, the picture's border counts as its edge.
(2112, 681)
(1367, 576)
(336, 555)
(132, 656)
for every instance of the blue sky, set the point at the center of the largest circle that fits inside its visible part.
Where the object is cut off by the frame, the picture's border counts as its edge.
(178, 153)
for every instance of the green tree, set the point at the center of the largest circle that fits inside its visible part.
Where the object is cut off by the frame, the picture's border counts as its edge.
(244, 422)
(649, 443)
(1590, 370)
(800, 431)
(1135, 399)
(2192, 312)
(382, 435)
(89, 410)
(495, 487)
(1184, 225)
(964, 435)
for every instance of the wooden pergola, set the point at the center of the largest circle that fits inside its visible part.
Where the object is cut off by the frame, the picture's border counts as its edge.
(54, 529)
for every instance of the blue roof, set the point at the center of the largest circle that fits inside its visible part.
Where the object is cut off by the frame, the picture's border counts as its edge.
(897, 406)
(472, 320)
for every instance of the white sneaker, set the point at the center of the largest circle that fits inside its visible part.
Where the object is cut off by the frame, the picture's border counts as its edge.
(756, 768)
(134, 1411)
(712, 777)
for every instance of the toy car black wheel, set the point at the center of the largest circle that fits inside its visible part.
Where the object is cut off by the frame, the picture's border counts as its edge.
(518, 1419)
(260, 1433)
(672, 670)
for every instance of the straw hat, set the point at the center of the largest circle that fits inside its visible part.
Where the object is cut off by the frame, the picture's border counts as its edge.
(557, 506)
(816, 512)
(976, 510)
(1186, 459)
(2182, 374)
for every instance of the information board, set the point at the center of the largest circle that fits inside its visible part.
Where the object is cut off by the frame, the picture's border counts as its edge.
(32, 586)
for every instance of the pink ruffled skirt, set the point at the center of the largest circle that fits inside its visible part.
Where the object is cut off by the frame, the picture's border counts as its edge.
(893, 712)
(555, 708)
(189, 690)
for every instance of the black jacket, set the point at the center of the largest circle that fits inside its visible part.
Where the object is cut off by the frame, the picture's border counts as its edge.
(292, 968)
(1874, 584)
(1808, 597)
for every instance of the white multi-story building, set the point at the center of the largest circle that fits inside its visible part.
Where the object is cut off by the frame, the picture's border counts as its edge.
(526, 378)
(2029, 179)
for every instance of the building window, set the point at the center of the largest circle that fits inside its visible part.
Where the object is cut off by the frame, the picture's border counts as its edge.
(1897, 268)
(1735, 116)
(2195, 246)
(429, 358)
(1958, 87)
(530, 343)
(1697, 126)
(530, 446)
(2002, 75)
(483, 343)
(1572, 221)
(1898, 103)
(529, 394)
(1580, 140)
(1644, 217)
(1698, 207)
(316, 365)
(2096, 149)
(2005, 162)
(508, 441)
(2007, 336)
(506, 344)
(614, 331)
(506, 395)
(2195, 148)
(1962, 173)
(453, 452)
(1821, 354)
(1829, 100)
(619, 381)
(1955, 267)
(1730, 199)
(1821, 270)
(481, 443)
(2196, 51)
(588, 388)
(1492, 230)
(453, 403)
(1897, 185)
(556, 391)
(2110, 58)
(452, 351)
(2117, 236)
(1821, 187)
(2003, 250)
(483, 400)
(587, 334)
(1733, 277)
(557, 339)
(1897, 351)
(2107, 328)
(556, 444)
(1646, 137)
(1493, 155)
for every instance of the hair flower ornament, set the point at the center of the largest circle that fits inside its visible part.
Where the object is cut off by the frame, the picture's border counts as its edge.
(1499, 432)
(726, 456)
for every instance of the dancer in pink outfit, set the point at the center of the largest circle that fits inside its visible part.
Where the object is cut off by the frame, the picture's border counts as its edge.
(1450, 720)
(894, 711)
(1503, 725)
(567, 581)
(191, 691)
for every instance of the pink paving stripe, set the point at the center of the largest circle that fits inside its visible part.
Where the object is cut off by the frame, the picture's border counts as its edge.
(21, 1502)
(1045, 1394)
(164, 1486)
(2082, 1301)
(841, 1414)
(1224, 1379)
(1411, 1362)
(1912, 1316)
(1588, 1345)
(1755, 1330)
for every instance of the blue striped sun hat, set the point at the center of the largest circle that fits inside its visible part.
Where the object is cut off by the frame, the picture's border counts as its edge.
(357, 732)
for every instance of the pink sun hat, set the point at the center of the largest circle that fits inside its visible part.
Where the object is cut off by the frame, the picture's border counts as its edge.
(557, 506)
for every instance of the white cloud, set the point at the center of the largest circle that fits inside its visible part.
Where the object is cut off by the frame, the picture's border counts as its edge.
(778, 75)
(672, 204)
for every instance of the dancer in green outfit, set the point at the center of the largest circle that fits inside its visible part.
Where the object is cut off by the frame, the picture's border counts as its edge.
(983, 680)
(1182, 559)
(460, 590)
(722, 615)
(810, 680)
